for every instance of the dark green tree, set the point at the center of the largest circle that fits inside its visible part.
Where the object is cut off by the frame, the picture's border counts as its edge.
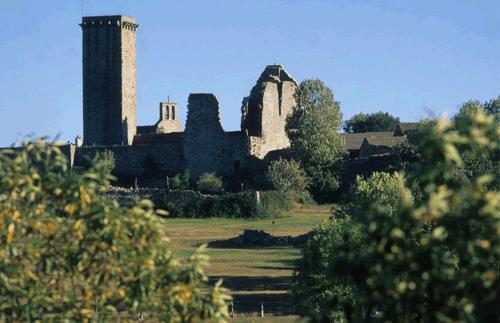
(315, 143)
(478, 163)
(379, 121)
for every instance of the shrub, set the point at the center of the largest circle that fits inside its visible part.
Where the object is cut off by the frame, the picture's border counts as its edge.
(274, 202)
(286, 176)
(209, 183)
(436, 258)
(66, 253)
(194, 205)
(380, 190)
(180, 181)
(314, 289)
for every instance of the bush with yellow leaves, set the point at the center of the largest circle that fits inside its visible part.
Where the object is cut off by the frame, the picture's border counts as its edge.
(432, 259)
(68, 254)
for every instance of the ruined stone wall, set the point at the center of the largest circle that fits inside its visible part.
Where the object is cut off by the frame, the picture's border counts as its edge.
(139, 161)
(109, 80)
(207, 148)
(265, 111)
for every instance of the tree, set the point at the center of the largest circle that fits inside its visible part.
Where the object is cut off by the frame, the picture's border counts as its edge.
(315, 291)
(379, 190)
(436, 258)
(379, 121)
(490, 108)
(287, 177)
(314, 288)
(314, 141)
(209, 183)
(477, 163)
(66, 253)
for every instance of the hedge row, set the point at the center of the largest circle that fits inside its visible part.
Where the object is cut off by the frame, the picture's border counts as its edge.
(192, 204)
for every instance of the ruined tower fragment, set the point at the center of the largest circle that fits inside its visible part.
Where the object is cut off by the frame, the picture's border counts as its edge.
(265, 111)
(109, 80)
(204, 135)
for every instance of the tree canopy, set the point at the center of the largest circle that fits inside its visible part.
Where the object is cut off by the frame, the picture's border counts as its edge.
(312, 130)
(379, 121)
(66, 253)
(433, 258)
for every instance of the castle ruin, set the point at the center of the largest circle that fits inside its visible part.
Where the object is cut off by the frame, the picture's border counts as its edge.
(165, 149)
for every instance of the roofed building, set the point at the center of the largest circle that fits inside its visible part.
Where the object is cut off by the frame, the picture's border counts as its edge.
(403, 128)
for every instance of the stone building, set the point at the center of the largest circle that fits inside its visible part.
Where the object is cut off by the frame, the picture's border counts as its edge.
(151, 153)
(109, 80)
(165, 149)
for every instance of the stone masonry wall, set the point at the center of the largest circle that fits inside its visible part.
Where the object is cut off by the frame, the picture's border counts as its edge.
(128, 78)
(266, 109)
(139, 161)
(109, 82)
(207, 148)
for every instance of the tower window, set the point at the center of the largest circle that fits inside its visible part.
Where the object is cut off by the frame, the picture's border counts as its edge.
(167, 115)
(173, 112)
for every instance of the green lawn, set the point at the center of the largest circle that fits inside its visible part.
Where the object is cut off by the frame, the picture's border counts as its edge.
(253, 275)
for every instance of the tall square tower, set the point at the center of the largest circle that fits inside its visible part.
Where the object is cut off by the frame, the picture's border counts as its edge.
(109, 80)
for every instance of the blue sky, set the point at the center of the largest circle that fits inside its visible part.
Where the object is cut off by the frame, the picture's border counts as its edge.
(403, 57)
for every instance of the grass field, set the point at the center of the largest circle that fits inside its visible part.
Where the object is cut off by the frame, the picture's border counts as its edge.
(254, 276)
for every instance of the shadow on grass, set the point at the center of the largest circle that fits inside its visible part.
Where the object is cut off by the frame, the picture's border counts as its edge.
(269, 292)
(254, 283)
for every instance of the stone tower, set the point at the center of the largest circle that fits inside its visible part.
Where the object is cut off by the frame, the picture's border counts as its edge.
(265, 111)
(109, 80)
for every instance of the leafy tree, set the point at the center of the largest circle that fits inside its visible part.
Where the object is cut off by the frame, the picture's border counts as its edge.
(68, 254)
(312, 130)
(379, 190)
(379, 121)
(209, 183)
(315, 291)
(490, 108)
(477, 163)
(180, 181)
(436, 258)
(314, 288)
(286, 176)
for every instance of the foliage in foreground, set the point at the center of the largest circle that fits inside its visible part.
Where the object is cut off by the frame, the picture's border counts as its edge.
(314, 140)
(435, 259)
(65, 251)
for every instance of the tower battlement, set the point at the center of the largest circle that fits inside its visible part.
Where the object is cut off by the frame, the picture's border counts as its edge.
(110, 21)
